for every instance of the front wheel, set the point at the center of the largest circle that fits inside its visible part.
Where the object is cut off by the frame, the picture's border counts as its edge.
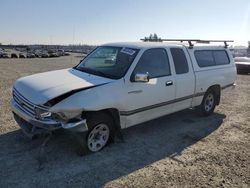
(100, 133)
(208, 103)
(98, 137)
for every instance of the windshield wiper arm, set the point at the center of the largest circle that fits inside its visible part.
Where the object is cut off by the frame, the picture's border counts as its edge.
(83, 69)
(95, 72)
(104, 74)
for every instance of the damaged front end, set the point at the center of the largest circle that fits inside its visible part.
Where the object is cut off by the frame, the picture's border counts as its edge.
(72, 120)
(35, 119)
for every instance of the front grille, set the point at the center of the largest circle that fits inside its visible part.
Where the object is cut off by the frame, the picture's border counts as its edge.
(24, 104)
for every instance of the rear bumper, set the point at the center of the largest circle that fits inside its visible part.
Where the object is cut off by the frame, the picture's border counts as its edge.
(31, 126)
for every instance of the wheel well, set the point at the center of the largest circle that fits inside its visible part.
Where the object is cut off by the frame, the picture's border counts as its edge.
(112, 112)
(217, 90)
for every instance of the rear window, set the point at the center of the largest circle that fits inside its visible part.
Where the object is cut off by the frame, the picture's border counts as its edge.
(207, 58)
(221, 58)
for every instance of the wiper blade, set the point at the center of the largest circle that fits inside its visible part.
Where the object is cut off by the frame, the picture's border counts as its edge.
(100, 73)
(95, 72)
(83, 69)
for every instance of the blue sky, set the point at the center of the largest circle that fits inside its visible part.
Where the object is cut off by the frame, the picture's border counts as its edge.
(101, 21)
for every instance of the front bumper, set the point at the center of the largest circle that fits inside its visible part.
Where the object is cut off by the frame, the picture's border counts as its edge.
(44, 124)
(31, 126)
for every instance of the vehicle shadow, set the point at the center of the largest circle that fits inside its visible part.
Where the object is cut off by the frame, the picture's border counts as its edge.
(144, 144)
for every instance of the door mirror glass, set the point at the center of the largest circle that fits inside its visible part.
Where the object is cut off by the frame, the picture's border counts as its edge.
(141, 77)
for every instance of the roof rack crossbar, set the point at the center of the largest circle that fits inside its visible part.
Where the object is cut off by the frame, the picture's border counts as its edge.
(190, 41)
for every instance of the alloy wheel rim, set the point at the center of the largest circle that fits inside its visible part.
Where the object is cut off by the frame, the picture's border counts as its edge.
(209, 102)
(98, 137)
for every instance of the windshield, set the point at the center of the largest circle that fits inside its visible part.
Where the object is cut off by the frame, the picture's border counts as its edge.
(106, 61)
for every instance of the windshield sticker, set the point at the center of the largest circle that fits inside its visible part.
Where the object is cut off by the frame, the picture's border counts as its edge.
(128, 51)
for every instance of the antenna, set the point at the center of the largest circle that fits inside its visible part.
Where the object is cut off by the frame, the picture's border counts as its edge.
(73, 43)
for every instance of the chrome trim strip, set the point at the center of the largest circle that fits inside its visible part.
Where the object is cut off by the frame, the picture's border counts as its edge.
(131, 112)
(128, 113)
(135, 92)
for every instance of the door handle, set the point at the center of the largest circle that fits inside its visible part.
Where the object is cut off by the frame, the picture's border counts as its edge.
(169, 83)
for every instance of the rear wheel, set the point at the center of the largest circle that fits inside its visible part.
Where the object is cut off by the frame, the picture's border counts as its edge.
(208, 103)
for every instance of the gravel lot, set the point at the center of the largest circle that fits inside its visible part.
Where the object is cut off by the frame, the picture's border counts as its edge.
(179, 150)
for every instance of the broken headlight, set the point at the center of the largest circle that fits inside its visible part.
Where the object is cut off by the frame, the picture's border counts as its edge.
(42, 113)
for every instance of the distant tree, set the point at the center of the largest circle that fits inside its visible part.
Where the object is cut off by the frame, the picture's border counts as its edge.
(153, 38)
(0, 44)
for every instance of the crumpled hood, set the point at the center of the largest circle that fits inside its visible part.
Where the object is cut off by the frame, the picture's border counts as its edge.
(39, 88)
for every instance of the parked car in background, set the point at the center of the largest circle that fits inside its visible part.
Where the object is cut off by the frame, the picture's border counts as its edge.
(38, 53)
(242, 64)
(14, 55)
(66, 53)
(44, 55)
(53, 55)
(4, 55)
(30, 55)
(21, 55)
(60, 52)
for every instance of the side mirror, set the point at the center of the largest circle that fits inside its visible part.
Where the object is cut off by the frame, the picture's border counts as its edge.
(141, 77)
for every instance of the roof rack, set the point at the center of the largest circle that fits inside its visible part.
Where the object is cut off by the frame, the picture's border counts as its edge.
(190, 41)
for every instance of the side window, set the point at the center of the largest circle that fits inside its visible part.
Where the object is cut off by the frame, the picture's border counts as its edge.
(204, 58)
(207, 58)
(154, 62)
(221, 57)
(180, 60)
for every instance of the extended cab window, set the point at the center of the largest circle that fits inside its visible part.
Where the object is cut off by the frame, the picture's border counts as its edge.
(180, 60)
(154, 62)
(207, 58)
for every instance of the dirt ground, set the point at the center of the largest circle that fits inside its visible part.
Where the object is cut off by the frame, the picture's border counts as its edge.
(179, 150)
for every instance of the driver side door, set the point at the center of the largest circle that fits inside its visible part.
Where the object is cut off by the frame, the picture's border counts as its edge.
(152, 99)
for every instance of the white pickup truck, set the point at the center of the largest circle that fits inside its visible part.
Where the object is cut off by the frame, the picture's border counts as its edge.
(119, 85)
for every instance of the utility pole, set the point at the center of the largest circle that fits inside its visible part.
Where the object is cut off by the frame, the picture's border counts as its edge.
(248, 49)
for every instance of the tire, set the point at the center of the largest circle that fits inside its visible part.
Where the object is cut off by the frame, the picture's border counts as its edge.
(100, 133)
(208, 103)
